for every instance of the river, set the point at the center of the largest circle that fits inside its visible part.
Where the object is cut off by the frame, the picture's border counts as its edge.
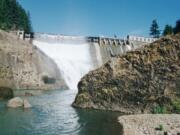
(52, 114)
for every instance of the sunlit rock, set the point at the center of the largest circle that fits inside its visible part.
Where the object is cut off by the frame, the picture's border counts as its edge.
(15, 102)
(142, 81)
(26, 104)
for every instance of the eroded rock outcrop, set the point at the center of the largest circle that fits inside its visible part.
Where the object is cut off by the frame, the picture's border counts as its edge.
(24, 66)
(145, 80)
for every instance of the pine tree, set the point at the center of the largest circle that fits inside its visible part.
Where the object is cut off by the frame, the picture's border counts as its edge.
(4, 15)
(177, 27)
(168, 30)
(13, 16)
(154, 29)
(29, 26)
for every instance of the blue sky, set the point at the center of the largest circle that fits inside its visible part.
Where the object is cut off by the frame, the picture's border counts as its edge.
(100, 17)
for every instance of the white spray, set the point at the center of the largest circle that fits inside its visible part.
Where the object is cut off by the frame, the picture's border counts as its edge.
(73, 60)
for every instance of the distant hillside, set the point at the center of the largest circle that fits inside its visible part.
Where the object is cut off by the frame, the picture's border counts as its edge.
(13, 16)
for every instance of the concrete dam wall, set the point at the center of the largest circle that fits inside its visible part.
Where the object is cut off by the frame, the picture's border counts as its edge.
(103, 49)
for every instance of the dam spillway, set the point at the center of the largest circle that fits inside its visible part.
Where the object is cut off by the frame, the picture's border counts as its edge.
(72, 59)
(76, 56)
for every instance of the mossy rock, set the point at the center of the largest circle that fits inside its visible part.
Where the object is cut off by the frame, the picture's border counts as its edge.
(6, 93)
(83, 98)
(142, 81)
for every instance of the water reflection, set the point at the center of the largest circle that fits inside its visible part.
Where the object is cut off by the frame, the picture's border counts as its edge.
(98, 122)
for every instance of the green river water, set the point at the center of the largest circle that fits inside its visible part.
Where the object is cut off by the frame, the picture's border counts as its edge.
(52, 114)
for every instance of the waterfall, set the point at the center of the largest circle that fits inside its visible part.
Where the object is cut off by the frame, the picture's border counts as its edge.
(75, 57)
(73, 60)
(98, 54)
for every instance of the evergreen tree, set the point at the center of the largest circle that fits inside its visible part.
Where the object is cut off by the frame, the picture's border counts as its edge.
(177, 27)
(13, 16)
(168, 30)
(154, 29)
(29, 26)
(4, 18)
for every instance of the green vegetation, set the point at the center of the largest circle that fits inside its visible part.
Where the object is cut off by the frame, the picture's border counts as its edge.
(82, 98)
(159, 110)
(161, 128)
(13, 16)
(168, 30)
(154, 29)
(177, 27)
(176, 105)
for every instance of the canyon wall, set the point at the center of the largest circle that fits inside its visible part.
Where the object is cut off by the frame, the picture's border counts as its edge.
(24, 66)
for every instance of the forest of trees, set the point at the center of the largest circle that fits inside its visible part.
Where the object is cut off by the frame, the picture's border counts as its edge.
(168, 29)
(14, 17)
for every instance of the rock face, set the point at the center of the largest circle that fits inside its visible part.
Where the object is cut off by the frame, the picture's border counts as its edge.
(142, 81)
(23, 66)
(15, 102)
(150, 124)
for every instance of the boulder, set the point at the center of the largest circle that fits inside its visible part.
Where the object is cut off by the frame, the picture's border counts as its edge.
(15, 102)
(26, 104)
(142, 81)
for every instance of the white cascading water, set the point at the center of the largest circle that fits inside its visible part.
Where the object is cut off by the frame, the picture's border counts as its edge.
(72, 55)
(73, 60)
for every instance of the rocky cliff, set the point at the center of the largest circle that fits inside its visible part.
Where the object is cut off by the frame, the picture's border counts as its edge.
(141, 81)
(23, 66)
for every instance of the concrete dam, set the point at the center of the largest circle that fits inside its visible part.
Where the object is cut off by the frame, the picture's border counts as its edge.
(76, 55)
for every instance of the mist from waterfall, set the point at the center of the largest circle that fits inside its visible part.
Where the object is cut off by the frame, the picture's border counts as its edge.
(73, 60)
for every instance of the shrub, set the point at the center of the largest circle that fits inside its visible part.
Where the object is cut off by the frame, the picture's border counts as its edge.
(159, 110)
(161, 128)
(176, 105)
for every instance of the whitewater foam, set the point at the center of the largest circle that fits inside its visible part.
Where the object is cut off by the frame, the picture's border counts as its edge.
(73, 60)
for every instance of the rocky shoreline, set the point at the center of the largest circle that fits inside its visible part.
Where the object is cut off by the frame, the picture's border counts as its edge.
(150, 124)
